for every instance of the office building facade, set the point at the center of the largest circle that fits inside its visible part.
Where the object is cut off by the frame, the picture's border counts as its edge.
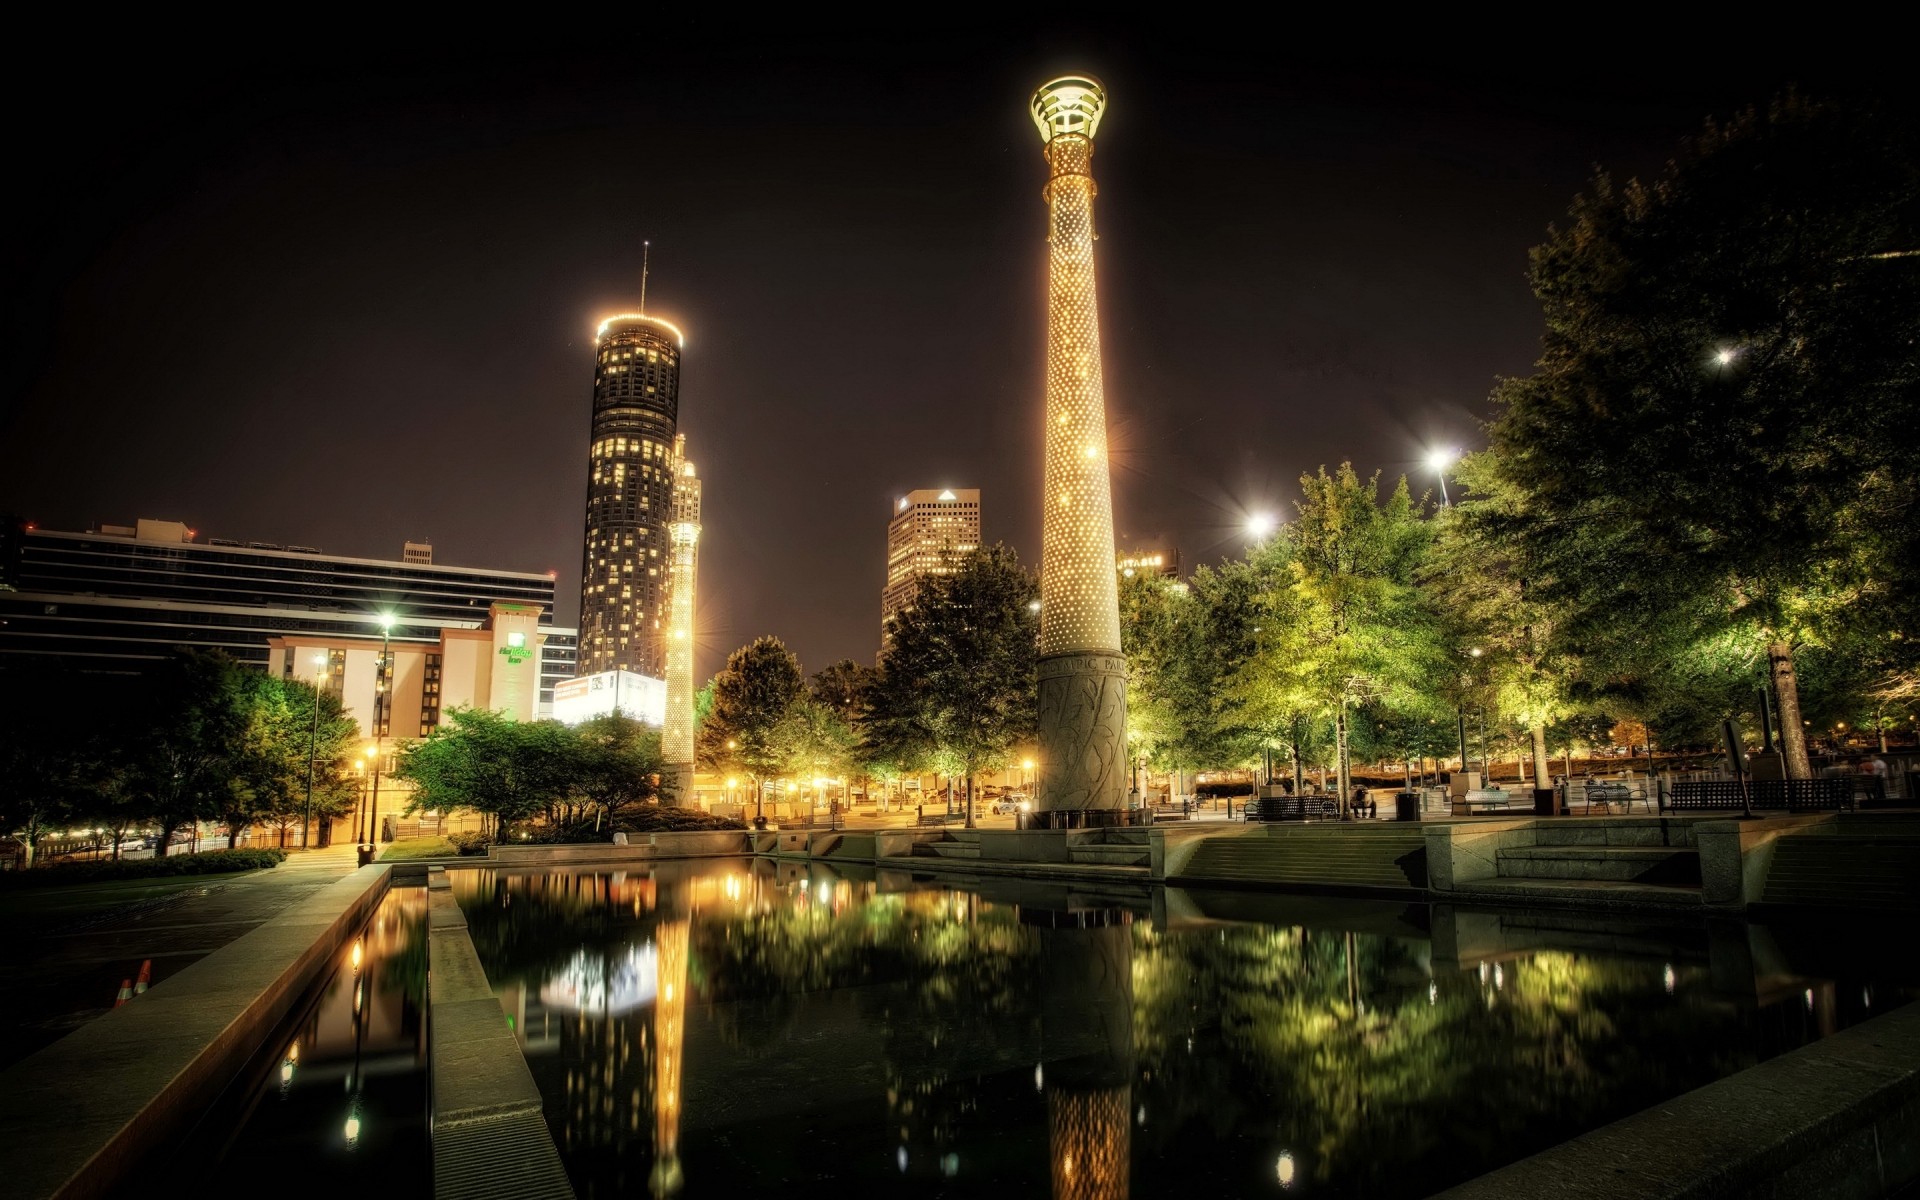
(630, 494)
(929, 529)
(119, 599)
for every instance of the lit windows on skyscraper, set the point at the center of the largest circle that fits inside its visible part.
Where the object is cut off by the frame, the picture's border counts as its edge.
(630, 482)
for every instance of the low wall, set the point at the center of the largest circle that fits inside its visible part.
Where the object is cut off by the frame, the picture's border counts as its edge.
(1838, 1118)
(489, 1137)
(86, 1110)
(1463, 853)
(1736, 855)
(643, 849)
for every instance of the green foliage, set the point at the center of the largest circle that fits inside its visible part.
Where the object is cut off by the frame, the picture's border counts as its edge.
(1717, 447)
(751, 726)
(469, 844)
(667, 819)
(479, 760)
(957, 683)
(212, 862)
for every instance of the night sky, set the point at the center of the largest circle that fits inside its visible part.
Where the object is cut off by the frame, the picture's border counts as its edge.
(349, 299)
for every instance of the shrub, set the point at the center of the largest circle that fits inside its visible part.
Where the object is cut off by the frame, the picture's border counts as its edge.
(667, 819)
(213, 862)
(470, 843)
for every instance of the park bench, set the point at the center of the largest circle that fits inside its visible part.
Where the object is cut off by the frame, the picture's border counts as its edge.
(1489, 799)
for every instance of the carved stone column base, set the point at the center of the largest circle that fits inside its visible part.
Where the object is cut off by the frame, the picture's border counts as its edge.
(1083, 733)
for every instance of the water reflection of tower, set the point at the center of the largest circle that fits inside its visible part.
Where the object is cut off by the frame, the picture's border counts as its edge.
(1087, 1011)
(669, 1041)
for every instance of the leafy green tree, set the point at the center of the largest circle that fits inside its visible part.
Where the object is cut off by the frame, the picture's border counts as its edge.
(1171, 719)
(1358, 630)
(959, 674)
(1477, 576)
(1255, 616)
(477, 759)
(1720, 438)
(191, 733)
(615, 766)
(751, 725)
(292, 733)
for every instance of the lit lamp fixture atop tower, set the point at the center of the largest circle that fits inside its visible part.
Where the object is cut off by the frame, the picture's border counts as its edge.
(1083, 685)
(676, 733)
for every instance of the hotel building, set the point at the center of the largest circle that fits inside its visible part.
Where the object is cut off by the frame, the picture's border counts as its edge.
(121, 598)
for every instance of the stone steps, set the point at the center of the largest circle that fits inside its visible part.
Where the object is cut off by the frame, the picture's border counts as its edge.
(1664, 865)
(1845, 872)
(1614, 831)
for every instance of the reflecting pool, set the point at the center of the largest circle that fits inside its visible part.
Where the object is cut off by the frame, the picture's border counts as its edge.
(736, 1027)
(337, 1101)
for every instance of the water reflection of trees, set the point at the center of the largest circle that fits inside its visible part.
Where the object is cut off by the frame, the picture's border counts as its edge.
(1385, 1080)
(1363, 1067)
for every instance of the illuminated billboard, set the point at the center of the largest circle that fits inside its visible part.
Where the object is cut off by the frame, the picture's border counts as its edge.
(638, 696)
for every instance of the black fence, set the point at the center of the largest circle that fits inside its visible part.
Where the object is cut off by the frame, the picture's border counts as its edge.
(1292, 808)
(1789, 795)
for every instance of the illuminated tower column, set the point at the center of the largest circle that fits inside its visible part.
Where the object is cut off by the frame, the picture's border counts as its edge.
(676, 735)
(1083, 686)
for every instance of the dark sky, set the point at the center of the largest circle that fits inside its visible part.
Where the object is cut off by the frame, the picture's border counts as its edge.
(347, 298)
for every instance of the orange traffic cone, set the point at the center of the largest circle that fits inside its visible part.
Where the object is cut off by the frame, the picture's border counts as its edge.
(126, 992)
(145, 979)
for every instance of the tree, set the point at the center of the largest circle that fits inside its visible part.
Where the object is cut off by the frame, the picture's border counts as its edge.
(616, 764)
(506, 770)
(1163, 633)
(292, 733)
(192, 731)
(1359, 630)
(1477, 576)
(1719, 437)
(959, 674)
(749, 724)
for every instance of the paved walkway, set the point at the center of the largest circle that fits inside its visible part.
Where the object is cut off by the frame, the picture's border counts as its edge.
(59, 977)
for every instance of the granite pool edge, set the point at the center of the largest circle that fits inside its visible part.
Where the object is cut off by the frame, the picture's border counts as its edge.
(82, 1113)
(1839, 1117)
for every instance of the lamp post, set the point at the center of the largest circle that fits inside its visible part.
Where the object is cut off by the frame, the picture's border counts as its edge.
(382, 685)
(1438, 461)
(313, 737)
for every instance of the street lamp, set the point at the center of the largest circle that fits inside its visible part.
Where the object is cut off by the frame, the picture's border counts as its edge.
(382, 686)
(313, 737)
(1261, 525)
(1438, 461)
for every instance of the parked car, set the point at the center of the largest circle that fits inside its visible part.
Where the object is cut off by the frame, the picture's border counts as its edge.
(1012, 802)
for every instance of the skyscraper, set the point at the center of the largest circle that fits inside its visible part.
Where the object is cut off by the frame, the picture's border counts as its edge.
(630, 484)
(1083, 677)
(929, 527)
(676, 733)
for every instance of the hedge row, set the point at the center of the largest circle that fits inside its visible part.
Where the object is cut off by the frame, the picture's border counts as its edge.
(213, 862)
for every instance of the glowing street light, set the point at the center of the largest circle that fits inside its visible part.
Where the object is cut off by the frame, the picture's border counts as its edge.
(1724, 356)
(1262, 525)
(1438, 461)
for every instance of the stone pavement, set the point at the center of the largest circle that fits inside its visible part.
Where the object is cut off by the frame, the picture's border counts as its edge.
(60, 977)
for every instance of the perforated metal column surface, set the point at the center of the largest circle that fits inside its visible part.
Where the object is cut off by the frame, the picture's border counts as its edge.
(1082, 675)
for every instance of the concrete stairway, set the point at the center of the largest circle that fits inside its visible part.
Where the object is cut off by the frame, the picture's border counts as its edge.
(1673, 866)
(1864, 862)
(1370, 858)
(959, 843)
(1621, 861)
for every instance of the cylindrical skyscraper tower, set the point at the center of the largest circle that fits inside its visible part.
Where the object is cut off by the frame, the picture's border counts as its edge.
(676, 736)
(630, 484)
(1083, 678)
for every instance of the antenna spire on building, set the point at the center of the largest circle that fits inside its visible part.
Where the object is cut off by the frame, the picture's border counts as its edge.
(646, 252)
